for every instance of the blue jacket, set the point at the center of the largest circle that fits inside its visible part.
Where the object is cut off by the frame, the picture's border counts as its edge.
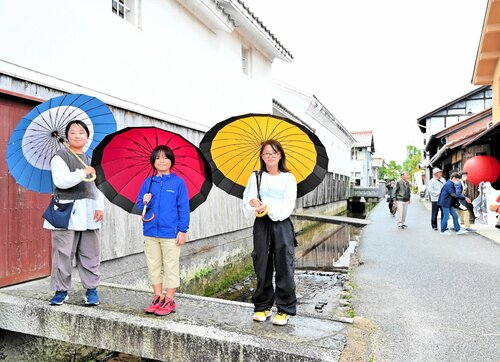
(447, 193)
(170, 204)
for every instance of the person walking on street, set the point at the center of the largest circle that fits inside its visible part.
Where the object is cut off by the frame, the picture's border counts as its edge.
(390, 200)
(463, 211)
(81, 239)
(434, 187)
(446, 201)
(401, 195)
(273, 234)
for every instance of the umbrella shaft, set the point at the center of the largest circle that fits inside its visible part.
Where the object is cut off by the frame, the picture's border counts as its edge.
(83, 163)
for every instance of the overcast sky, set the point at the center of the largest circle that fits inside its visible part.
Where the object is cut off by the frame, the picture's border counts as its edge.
(378, 65)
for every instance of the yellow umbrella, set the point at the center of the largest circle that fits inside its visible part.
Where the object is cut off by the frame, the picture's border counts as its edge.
(232, 147)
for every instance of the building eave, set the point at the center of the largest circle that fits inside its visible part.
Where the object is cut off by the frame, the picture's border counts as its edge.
(421, 120)
(457, 127)
(488, 53)
(210, 14)
(494, 129)
(253, 29)
(281, 107)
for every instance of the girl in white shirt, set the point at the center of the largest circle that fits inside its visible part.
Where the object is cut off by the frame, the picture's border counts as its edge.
(273, 200)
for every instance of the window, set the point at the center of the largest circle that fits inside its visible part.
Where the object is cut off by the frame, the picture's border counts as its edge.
(127, 10)
(246, 60)
(119, 8)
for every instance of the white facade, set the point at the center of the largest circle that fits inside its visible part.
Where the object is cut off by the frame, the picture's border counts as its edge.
(307, 109)
(361, 155)
(196, 77)
(183, 65)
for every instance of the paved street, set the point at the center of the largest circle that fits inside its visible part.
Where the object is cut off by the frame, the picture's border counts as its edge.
(433, 297)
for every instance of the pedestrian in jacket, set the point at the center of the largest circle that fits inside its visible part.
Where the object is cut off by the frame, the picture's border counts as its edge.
(273, 235)
(446, 201)
(434, 188)
(81, 239)
(401, 195)
(165, 225)
(390, 186)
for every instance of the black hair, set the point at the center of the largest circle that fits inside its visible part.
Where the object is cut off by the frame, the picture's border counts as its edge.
(162, 149)
(79, 123)
(455, 175)
(461, 173)
(276, 146)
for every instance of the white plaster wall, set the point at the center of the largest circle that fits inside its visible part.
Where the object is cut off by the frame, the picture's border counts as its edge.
(173, 63)
(339, 154)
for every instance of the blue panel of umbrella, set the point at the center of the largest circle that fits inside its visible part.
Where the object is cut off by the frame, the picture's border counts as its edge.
(41, 133)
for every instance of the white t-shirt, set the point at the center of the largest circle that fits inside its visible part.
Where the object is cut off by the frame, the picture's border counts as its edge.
(279, 192)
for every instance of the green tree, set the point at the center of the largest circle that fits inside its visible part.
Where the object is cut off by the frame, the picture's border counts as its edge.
(413, 159)
(390, 171)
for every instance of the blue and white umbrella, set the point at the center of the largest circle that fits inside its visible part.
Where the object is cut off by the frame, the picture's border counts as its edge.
(41, 133)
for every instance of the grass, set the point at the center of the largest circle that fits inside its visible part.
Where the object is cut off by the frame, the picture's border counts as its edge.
(227, 279)
(202, 273)
(350, 312)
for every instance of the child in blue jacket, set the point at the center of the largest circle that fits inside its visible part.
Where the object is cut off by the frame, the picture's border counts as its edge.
(166, 199)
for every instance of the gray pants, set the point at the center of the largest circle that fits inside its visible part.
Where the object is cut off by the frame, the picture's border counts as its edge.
(66, 244)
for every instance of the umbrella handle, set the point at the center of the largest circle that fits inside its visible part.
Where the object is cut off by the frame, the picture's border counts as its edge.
(88, 179)
(264, 213)
(144, 214)
(83, 163)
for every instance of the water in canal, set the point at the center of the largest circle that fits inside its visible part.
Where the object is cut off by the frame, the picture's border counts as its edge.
(319, 256)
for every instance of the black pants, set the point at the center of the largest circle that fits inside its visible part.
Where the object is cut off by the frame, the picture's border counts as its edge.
(390, 202)
(434, 214)
(273, 247)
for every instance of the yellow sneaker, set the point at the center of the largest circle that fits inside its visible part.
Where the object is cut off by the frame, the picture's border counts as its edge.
(262, 315)
(280, 319)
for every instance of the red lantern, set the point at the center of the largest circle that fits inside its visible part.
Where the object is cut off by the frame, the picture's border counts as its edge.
(482, 169)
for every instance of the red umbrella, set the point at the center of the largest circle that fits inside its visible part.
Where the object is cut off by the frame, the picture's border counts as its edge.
(122, 164)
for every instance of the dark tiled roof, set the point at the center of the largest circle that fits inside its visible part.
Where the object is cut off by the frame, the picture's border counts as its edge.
(261, 24)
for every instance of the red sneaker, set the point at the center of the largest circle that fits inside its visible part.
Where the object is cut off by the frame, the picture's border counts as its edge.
(154, 304)
(166, 307)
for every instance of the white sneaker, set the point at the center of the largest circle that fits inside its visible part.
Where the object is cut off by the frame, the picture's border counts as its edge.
(447, 232)
(462, 231)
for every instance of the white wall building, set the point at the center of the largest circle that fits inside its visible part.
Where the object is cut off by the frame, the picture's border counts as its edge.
(362, 152)
(307, 109)
(194, 62)
(183, 65)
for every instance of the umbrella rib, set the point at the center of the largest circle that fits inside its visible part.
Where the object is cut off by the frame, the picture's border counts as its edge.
(65, 117)
(31, 169)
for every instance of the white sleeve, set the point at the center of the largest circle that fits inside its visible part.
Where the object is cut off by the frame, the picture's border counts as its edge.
(249, 194)
(62, 177)
(99, 203)
(282, 209)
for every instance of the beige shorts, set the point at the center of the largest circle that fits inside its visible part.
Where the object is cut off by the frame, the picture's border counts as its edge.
(162, 257)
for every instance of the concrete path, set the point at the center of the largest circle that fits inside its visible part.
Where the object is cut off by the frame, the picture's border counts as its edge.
(202, 329)
(433, 297)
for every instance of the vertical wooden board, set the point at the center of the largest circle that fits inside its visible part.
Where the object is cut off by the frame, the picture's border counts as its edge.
(24, 244)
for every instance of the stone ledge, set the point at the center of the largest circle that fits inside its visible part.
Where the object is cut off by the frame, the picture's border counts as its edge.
(201, 328)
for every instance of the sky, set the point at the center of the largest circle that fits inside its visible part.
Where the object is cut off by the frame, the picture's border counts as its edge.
(378, 65)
